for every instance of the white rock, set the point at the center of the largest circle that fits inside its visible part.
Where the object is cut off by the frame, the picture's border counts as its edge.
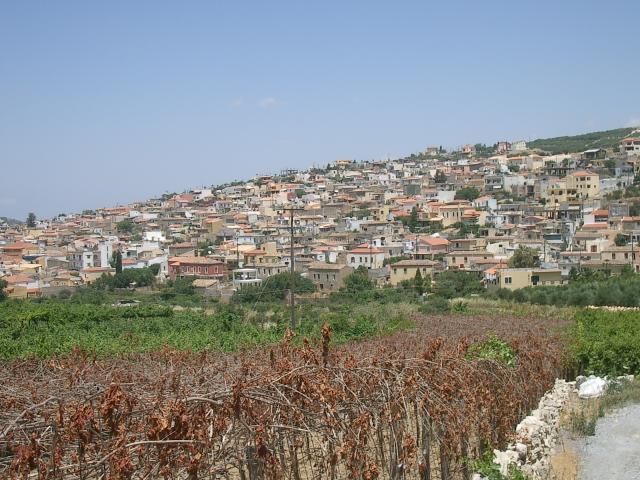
(521, 450)
(592, 387)
(504, 459)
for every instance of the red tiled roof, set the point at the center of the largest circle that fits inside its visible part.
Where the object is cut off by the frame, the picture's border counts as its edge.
(436, 241)
(97, 269)
(17, 246)
(193, 260)
(13, 279)
(365, 248)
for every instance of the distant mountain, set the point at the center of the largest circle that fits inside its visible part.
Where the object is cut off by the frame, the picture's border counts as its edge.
(580, 143)
(10, 221)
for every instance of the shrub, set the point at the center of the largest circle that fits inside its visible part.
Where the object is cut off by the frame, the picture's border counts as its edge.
(607, 343)
(435, 305)
(274, 288)
(453, 284)
(494, 349)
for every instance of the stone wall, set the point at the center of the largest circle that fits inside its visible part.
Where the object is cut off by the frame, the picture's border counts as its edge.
(536, 435)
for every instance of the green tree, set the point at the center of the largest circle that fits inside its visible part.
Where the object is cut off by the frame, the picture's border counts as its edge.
(3, 285)
(467, 193)
(204, 248)
(274, 288)
(31, 220)
(621, 240)
(574, 274)
(466, 228)
(117, 261)
(610, 165)
(362, 213)
(125, 226)
(440, 177)
(392, 260)
(140, 277)
(525, 257)
(358, 281)
(451, 284)
(418, 282)
(413, 220)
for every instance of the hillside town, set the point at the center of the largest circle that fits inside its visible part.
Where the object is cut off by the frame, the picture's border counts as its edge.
(467, 210)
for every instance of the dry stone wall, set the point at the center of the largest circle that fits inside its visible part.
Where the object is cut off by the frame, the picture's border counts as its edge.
(536, 435)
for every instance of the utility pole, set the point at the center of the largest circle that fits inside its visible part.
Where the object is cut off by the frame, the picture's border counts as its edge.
(292, 298)
(237, 251)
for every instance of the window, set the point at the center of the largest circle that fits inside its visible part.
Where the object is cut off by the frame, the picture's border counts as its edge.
(353, 259)
(507, 280)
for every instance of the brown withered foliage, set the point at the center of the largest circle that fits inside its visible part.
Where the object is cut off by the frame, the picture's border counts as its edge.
(411, 405)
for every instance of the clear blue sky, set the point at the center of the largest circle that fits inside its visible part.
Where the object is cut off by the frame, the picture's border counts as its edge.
(109, 102)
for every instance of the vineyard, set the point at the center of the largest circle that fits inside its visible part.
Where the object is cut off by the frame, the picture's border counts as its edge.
(411, 405)
(48, 329)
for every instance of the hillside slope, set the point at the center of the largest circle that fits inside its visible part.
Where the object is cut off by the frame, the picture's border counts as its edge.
(10, 221)
(580, 143)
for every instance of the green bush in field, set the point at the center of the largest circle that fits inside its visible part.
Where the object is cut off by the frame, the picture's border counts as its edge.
(607, 343)
(453, 284)
(495, 349)
(140, 277)
(435, 305)
(274, 289)
(588, 288)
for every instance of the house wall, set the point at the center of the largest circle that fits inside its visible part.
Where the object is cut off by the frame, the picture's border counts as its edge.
(584, 186)
(196, 270)
(514, 279)
(402, 273)
(374, 260)
(329, 280)
(464, 260)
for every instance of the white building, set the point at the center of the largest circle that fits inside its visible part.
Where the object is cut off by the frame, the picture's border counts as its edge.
(518, 146)
(365, 255)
